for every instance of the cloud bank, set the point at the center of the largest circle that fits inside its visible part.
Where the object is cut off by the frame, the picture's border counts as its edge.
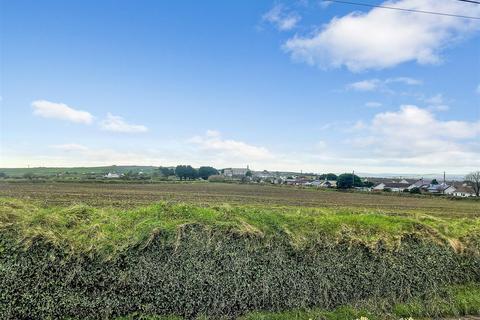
(383, 38)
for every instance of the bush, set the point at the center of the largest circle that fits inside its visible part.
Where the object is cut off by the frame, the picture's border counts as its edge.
(216, 178)
(86, 263)
(415, 190)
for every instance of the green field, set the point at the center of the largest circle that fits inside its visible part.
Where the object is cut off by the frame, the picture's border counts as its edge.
(50, 171)
(205, 194)
(225, 251)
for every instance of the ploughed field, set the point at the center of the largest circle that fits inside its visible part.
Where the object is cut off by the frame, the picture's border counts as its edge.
(132, 195)
(225, 251)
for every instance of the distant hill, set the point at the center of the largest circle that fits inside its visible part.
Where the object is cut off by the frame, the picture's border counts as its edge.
(47, 171)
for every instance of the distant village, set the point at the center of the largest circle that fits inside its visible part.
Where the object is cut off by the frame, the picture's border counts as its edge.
(461, 189)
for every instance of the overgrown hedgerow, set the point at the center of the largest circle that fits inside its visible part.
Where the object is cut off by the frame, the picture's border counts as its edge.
(88, 263)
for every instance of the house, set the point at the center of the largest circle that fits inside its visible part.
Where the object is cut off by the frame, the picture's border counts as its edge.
(329, 184)
(392, 186)
(420, 184)
(292, 181)
(464, 191)
(235, 172)
(111, 175)
(441, 189)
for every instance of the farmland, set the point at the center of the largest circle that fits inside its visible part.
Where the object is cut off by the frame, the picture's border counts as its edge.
(204, 194)
(227, 251)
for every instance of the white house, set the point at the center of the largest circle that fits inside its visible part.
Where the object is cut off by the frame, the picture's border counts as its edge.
(111, 175)
(422, 183)
(441, 189)
(329, 184)
(464, 191)
(392, 186)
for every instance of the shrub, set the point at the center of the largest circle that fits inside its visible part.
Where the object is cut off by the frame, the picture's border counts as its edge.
(182, 260)
(415, 190)
(216, 178)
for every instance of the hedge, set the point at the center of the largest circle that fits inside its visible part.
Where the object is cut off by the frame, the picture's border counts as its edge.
(203, 269)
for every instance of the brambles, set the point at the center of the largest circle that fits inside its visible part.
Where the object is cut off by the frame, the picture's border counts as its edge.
(224, 261)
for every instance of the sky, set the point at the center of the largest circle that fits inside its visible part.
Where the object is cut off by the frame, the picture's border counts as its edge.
(307, 85)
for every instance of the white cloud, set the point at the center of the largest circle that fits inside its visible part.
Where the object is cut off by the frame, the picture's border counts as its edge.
(47, 109)
(405, 80)
(118, 124)
(282, 19)
(373, 104)
(436, 103)
(214, 142)
(382, 85)
(365, 85)
(414, 137)
(385, 38)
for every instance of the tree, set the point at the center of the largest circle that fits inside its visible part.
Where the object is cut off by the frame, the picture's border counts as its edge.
(434, 181)
(29, 175)
(249, 173)
(328, 176)
(185, 172)
(348, 180)
(206, 172)
(368, 184)
(415, 190)
(166, 172)
(473, 179)
(3, 175)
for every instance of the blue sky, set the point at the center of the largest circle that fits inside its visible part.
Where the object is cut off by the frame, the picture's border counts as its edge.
(302, 85)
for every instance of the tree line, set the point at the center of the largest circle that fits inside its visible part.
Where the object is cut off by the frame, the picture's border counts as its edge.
(187, 172)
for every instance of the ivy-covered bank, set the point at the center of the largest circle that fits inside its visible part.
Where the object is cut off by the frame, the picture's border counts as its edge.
(223, 262)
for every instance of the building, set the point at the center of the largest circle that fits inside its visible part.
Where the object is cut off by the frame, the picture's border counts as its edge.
(111, 175)
(464, 191)
(328, 184)
(420, 184)
(442, 188)
(235, 172)
(392, 186)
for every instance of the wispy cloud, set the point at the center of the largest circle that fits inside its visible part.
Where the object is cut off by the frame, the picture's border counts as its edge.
(382, 39)
(118, 124)
(436, 103)
(365, 85)
(214, 142)
(60, 111)
(382, 84)
(405, 80)
(281, 18)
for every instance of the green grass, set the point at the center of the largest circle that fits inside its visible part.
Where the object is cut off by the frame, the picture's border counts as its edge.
(230, 261)
(85, 229)
(49, 171)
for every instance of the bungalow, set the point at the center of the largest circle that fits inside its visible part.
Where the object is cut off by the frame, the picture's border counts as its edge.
(464, 191)
(441, 189)
(111, 175)
(329, 184)
(392, 186)
(420, 184)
